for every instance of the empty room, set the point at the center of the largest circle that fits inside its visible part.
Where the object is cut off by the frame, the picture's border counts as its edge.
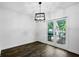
(39, 29)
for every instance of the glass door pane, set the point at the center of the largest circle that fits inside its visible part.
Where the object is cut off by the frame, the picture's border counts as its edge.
(61, 30)
(50, 30)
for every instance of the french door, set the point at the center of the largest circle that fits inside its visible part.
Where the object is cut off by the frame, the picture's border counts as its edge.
(57, 31)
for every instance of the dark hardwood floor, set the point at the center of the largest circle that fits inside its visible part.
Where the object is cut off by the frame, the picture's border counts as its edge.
(36, 49)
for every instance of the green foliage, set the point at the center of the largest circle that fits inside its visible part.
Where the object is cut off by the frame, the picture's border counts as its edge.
(62, 24)
(50, 25)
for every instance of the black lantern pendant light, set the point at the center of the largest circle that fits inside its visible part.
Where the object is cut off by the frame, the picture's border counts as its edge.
(40, 16)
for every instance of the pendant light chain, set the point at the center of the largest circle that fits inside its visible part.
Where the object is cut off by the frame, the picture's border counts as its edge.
(40, 7)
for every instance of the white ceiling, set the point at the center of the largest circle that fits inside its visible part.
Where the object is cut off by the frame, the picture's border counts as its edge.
(33, 7)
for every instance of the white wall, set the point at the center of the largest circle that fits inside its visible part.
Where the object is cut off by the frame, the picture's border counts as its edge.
(15, 28)
(73, 14)
(72, 33)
